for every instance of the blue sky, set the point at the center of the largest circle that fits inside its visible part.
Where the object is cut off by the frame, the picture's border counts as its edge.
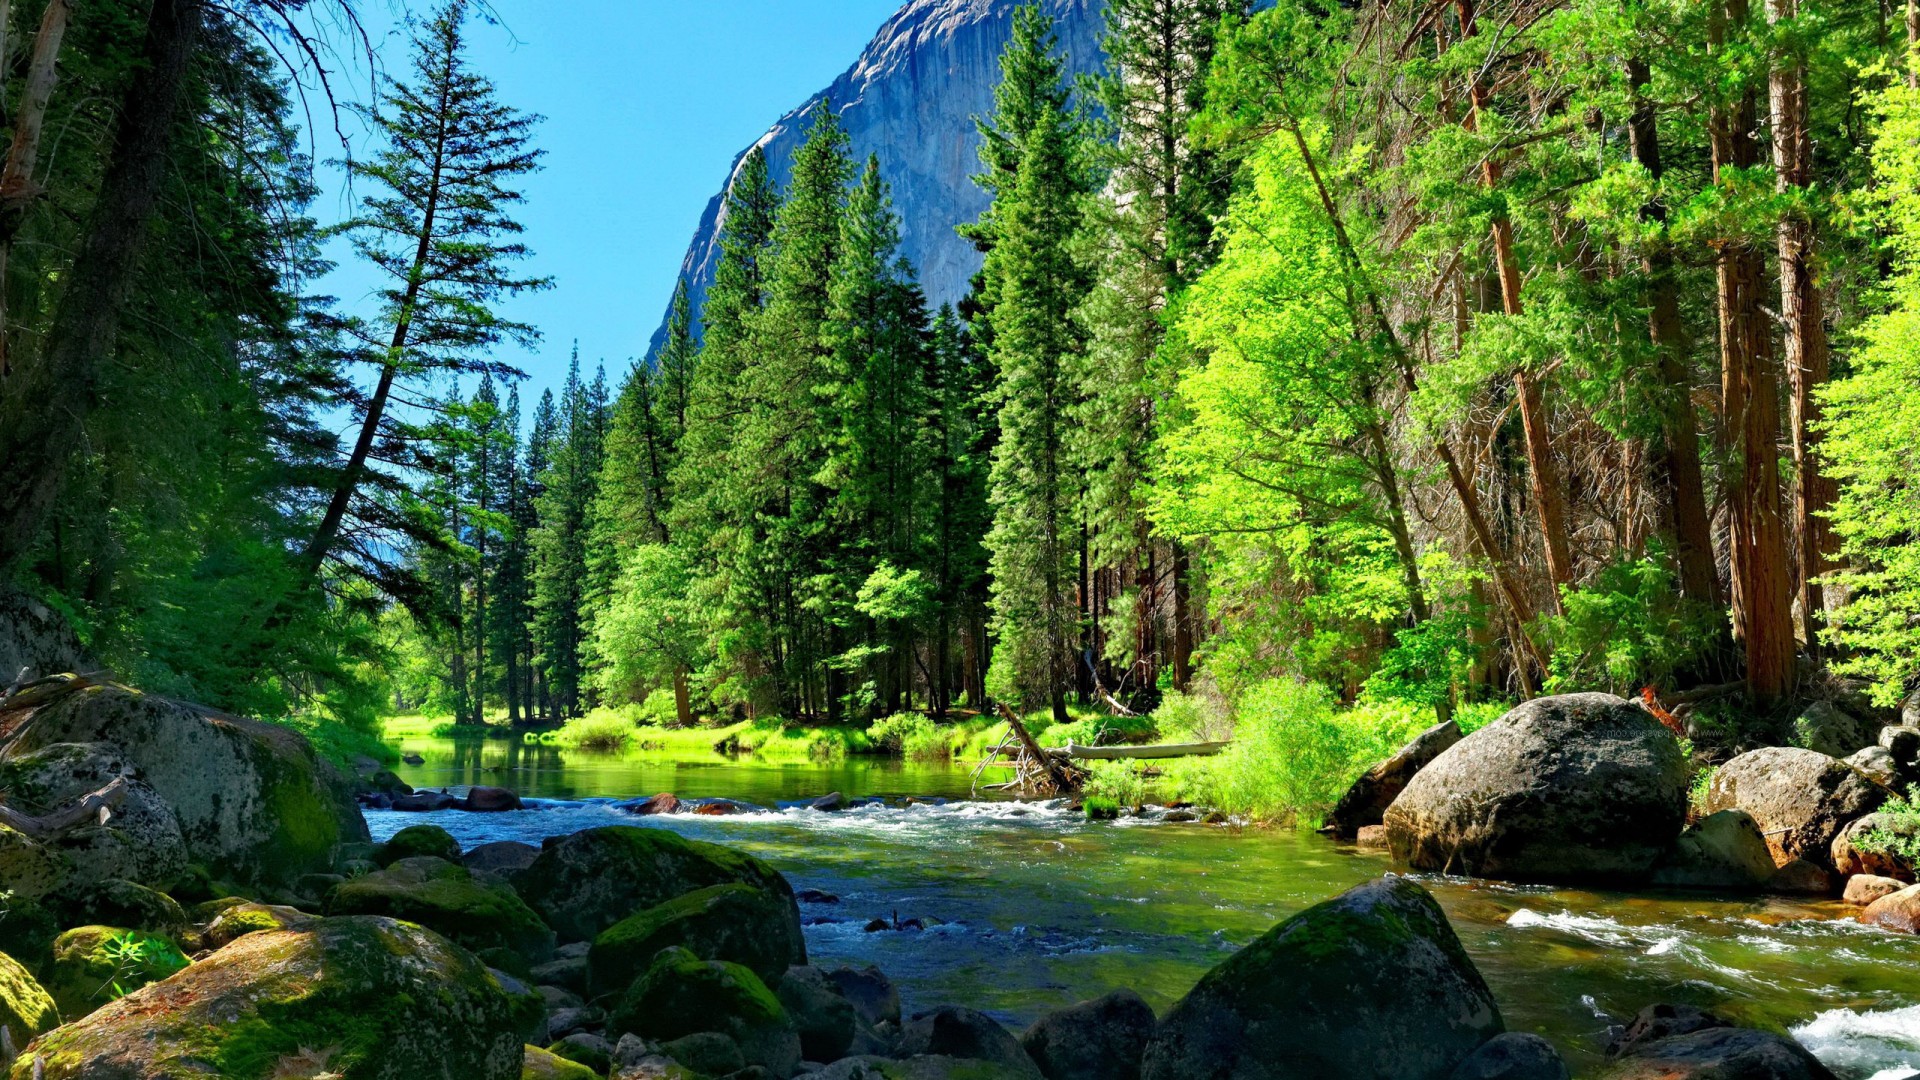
(647, 102)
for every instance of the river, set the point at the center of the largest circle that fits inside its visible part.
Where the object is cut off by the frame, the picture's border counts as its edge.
(1029, 907)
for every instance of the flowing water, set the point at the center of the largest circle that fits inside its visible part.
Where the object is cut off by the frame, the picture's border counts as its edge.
(1028, 907)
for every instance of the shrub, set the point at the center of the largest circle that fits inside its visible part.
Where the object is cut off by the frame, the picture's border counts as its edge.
(1903, 844)
(1118, 782)
(1629, 629)
(1193, 717)
(1100, 808)
(598, 732)
(1702, 785)
(912, 736)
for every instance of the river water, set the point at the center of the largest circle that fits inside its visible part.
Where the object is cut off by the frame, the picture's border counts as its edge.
(1029, 907)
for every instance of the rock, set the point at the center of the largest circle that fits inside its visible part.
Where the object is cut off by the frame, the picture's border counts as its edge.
(736, 922)
(444, 897)
(411, 758)
(656, 1067)
(681, 994)
(1864, 889)
(1897, 911)
(418, 840)
(723, 808)
(239, 920)
(141, 842)
(586, 1049)
(501, 861)
(1657, 1022)
(424, 802)
(1902, 743)
(1801, 798)
(1824, 727)
(34, 636)
(123, 903)
(387, 783)
(26, 1009)
(93, 965)
(568, 972)
(707, 1052)
(1513, 1056)
(1801, 878)
(829, 803)
(1371, 836)
(965, 1033)
(1721, 1053)
(250, 798)
(871, 993)
(1877, 764)
(490, 800)
(373, 998)
(1852, 852)
(825, 1019)
(664, 803)
(1103, 1039)
(815, 896)
(925, 1067)
(538, 1064)
(586, 882)
(1379, 959)
(1720, 851)
(1586, 787)
(1366, 802)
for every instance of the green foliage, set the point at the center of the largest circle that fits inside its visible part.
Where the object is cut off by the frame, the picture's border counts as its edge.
(1100, 808)
(598, 732)
(1627, 630)
(1902, 842)
(1116, 784)
(1699, 790)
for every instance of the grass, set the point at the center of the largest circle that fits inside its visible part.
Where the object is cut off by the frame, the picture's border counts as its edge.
(340, 743)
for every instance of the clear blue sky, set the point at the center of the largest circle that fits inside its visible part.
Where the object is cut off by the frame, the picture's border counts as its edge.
(647, 102)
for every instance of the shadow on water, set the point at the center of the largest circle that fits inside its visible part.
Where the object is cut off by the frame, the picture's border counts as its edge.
(1029, 907)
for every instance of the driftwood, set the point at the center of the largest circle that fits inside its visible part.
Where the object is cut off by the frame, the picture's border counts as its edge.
(1076, 752)
(94, 807)
(1038, 770)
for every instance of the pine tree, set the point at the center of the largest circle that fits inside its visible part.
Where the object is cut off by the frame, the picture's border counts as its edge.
(960, 445)
(512, 591)
(673, 372)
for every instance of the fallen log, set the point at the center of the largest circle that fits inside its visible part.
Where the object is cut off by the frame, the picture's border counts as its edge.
(94, 807)
(1076, 752)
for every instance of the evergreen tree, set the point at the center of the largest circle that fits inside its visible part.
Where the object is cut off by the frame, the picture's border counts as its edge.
(561, 582)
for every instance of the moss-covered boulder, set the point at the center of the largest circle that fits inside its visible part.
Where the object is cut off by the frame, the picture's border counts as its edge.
(361, 998)
(238, 920)
(445, 897)
(541, 1065)
(924, 1067)
(141, 841)
(590, 880)
(417, 840)
(826, 1020)
(252, 799)
(681, 994)
(125, 903)
(93, 965)
(1373, 983)
(742, 923)
(26, 1009)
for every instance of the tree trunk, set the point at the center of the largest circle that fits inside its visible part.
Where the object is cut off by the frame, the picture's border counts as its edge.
(682, 700)
(1182, 617)
(18, 192)
(43, 415)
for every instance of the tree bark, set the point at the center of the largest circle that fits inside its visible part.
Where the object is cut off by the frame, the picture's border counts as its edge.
(43, 414)
(18, 192)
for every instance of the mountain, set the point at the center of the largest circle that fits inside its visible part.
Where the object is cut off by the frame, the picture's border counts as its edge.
(911, 99)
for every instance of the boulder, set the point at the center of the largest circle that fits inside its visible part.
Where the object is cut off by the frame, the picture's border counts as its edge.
(445, 897)
(681, 994)
(965, 1033)
(239, 920)
(1657, 1022)
(1873, 845)
(1897, 911)
(1830, 730)
(360, 998)
(418, 840)
(1902, 744)
(1864, 889)
(1877, 764)
(870, 991)
(1586, 787)
(706, 1052)
(1366, 802)
(586, 1049)
(1372, 983)
(424, 802)
(1720, 851)
(664, 803)
(501, 860)
(35, 637)
(140, 842)
(741, 923)
(1721, 1053)
(925, 1067)
(124, 903)
(825, 1019)
(829, 803)
(1103, 1039)
(26, 1009)
(1801, 798)
(584, 883)
(1513, 1056)
(93, 965)
(1801, 877)
(538, 1064)
(490, 800)
(250, 798)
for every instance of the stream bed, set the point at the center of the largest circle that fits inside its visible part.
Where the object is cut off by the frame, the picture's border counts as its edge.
(1028, 907)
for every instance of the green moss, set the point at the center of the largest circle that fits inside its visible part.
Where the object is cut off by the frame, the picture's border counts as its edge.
(593, 879)
(93, 965)
(26, 1009)
(681, 994)
(541, 1065)
(416, 840)
(735, 922)
(444, 897)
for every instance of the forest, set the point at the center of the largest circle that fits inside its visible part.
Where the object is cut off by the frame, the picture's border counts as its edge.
(1363, 361)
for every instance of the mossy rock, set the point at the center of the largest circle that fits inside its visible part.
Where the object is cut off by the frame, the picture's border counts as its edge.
(239, 920)
(417, 840)
(363, 998)
(126, 903)
(206, 911)
(27, 931)
(923, 1067)
(142, 840)
(31, 870)
(593, 1057)
(541, 1065)
(26, 1009)
(590, 880)
(736, 922)
(681, 994)
(93, 965)
(444, 897)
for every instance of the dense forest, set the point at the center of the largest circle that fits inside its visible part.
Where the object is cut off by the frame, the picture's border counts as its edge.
(1427, 355)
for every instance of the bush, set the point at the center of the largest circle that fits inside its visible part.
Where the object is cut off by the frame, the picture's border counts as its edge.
(1701, 787)
(1100, 808)
(1904, 844)
(912, 736)
(1118, 782)
(1193, 717)
(1629, 629)
(598, 732)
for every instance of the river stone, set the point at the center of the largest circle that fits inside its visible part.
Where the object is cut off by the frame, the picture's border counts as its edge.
(873, 995)
(1661, 1021)
(1864, 889)
(825, 1019)
(490, 800)
(1851, 856)
(538, 1064)
(424, 802)
(1826, 728)
(1365, 803)
(141, 840)
(1585, 787)
(26, 1009)
(584, 883)
(1373, 983)
(1801, 798)
(370, 998)
(1516, 1055)
(1720, 851)
(1721, 1053)
(924, 1067)
(444, 897)
(1103, 1039)
(681, 994)
(664, 803)
(742, 923)
(418, 840)
(500, 861)
(1898, 911)
(955, 1032)
(239, 920)
(92, 965)
(1801, 877)
(706, 1052)
(252, 799)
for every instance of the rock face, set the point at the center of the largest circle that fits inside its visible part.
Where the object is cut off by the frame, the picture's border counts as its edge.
(1586, 787)
(1372, 983)
(1366, 802)
(1720, 851)
(1102, 1039)
(375, 998)
(590, 880)
(911, 99)
(1801, 798)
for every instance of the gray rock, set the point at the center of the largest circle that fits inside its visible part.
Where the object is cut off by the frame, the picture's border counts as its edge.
(871, 992)
(706, 1052)
(632, 1050)
(1878, 765)
(1513, 1056)
(1103, 1039)
(1801, 798)
(825, 1019)
(501, 858)
(1720, 851)
(1903, 743)
(35, 637)
(1366, 802)
(1721, 1053)
(1585, 787)
(966, 1033)
(1373, 983)
(141, 842)
(568, 973)
(1827, 728)
(1662, 1021)
(584, 883)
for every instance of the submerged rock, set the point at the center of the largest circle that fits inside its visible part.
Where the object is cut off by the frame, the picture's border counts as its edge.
(1513, 1056)
(445, 897)
(1366, 802)
(1103, 1039)
(1373, 983)
(1586, 787)
(1801, 798)
(1720, 851)
(1721, 1053)
(741, 923)
(584, 883)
